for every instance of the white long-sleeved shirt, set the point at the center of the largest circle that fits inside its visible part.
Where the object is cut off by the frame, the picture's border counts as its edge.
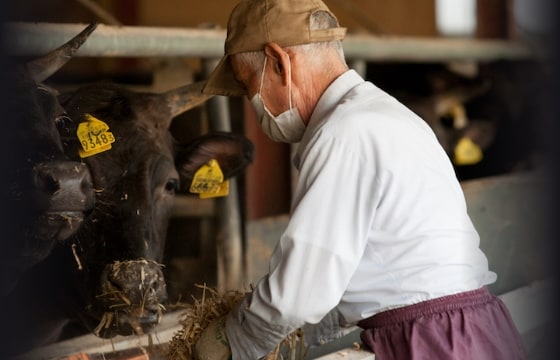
(378, 221)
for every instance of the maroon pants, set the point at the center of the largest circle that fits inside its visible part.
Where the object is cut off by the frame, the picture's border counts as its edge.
(469, 325)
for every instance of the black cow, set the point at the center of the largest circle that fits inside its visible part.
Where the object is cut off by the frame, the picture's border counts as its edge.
(108, 279)
(480, 117)
(43, 194)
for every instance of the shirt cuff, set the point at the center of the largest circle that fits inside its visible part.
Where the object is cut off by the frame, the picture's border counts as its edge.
(249, 336)
(330, 328)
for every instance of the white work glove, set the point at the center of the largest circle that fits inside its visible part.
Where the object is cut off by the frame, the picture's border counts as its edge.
(213, 343)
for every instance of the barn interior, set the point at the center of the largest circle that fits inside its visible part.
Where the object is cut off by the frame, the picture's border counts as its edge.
(479, 70)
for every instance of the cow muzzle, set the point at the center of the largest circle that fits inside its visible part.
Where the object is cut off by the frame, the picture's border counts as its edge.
(67, 184)
(131, 297)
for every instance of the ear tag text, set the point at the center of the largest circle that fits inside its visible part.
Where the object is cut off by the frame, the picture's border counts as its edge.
(208, 181)
(94, 135)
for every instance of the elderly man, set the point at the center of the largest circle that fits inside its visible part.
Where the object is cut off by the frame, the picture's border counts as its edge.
(379, 234)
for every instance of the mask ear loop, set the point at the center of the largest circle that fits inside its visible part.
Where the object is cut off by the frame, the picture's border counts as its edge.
(262, 75)
(290, 80)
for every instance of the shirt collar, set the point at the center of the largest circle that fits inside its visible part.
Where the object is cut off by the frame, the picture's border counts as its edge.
(330, 98)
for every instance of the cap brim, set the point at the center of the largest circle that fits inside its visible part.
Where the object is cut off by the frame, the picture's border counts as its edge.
(222, 81)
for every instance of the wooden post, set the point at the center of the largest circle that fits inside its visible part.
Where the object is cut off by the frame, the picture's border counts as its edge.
(492, 19)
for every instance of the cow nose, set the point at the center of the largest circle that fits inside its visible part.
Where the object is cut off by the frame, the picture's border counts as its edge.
(68, 184)
(45, 180)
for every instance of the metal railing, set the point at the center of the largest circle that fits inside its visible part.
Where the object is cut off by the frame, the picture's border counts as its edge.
(33, 39)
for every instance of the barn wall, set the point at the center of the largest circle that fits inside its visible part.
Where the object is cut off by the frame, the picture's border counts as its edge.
(398, 17)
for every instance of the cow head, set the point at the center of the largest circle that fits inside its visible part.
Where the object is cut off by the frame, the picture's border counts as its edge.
(136, 167)
(440, 94)
(444, 108)
(45, 195)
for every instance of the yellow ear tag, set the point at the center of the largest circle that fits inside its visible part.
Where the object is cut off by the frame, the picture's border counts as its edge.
(467, 152)
(208, 181)
(94, 136)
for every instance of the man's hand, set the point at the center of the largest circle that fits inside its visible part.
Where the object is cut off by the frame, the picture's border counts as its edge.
(213, 343)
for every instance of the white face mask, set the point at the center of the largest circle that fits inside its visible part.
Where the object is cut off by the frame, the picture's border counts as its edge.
(288, 126)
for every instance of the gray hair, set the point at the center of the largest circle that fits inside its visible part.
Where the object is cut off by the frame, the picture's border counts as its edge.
(318, 20)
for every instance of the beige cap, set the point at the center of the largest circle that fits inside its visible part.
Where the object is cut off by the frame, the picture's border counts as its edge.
(254, 23)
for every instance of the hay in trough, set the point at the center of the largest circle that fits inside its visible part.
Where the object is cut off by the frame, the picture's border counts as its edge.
(211, 306)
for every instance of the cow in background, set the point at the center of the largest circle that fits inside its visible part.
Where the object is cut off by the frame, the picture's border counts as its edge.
(434, 92)
(44, 195)
(485, 116)
(516, 112)
(108, 280)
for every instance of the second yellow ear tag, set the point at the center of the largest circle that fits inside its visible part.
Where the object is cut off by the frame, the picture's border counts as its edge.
(94, 136)
(208, 181)
(467, 152)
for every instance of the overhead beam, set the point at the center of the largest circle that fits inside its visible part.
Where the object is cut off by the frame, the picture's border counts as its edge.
(34, 39)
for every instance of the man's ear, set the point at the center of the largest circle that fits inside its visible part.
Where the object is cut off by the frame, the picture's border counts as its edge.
(281, 60)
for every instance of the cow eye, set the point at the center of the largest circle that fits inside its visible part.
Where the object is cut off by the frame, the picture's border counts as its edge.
(172, 185)
(62, 123)
(62, 120)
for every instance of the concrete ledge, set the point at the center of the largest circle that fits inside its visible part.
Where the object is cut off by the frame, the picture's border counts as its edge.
(349, 354)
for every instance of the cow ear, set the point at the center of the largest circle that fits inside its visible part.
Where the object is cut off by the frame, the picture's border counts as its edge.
(233, 152)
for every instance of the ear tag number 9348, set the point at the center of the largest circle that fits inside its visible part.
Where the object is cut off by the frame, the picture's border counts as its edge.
(94, 135)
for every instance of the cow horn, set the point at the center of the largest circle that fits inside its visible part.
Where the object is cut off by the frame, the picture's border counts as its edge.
(42, 68)
(185, 97)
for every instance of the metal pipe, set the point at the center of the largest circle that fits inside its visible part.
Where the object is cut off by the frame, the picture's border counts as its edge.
(360, 66)
(229, 237)
(34, 39)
